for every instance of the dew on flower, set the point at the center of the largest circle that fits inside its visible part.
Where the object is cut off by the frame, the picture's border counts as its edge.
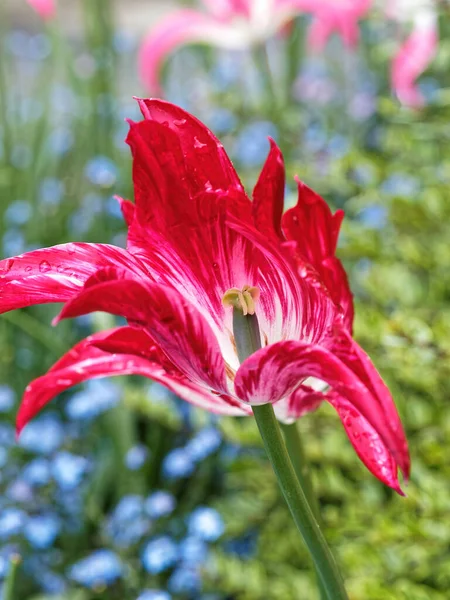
(160, 504)
(177, 463)
(206, 523)
(41, 530)
(159, 554)
(69, 469)
(102, 567)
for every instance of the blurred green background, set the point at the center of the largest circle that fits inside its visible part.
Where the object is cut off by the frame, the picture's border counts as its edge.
(120, 491)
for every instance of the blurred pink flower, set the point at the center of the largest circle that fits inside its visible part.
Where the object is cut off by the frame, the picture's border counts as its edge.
(417, 51)
(238, 24)
(45, 8)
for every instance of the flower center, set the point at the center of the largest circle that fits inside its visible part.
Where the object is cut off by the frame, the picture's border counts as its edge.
(244, 300)
(247, 336)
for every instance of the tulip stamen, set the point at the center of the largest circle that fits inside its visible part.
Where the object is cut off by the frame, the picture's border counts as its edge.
(246, 333)
(244, 300)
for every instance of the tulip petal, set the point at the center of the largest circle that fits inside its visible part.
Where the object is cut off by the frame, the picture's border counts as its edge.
(353, 356)
(314, 229)
(45, 8)
(182, 27)
(365, 440)
(86, 361)
(207, 164)
(411, 60)
(56, 274)
(175, 325)
(276, 371)
(268, 195)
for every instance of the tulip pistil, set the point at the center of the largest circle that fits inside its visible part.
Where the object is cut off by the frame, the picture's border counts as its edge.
(247, 336)
(243, 300)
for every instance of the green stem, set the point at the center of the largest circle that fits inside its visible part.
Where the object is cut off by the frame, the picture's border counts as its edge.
(297, 502)
(296, 453)
(8, 592)
(248, 340)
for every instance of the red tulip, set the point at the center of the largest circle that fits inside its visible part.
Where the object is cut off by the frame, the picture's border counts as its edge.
(193, 235)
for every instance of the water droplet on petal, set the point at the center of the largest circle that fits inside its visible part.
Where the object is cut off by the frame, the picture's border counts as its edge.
(198, 144)
(44, 266)
(28, 269)
(179, 122)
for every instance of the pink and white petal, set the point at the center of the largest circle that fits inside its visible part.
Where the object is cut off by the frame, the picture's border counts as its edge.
(85, 361)
(302, 401)
(179, 28)
(228, 9)
(268, 194)
(173, 323)
(354, 357)
(45, 8)
(411, 60)
(131, 340)
(128, 209)
(367, 443)
(365, 440)
(56, 274)
(315, 230)
(207, 163)
(276, 371)
(292, 304)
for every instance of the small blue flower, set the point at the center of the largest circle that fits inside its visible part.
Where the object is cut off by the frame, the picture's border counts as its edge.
(37, 472)
(127, 524)
(135, 457)
(101, 171)
(160, 504)
(159, 554)
(193, 551)
(102, 567)
(39, 46)
(18, 212)
(204, 443)
(21, 156)
(13, 242)
(51, 191)
(374, 216)
(252, 145)
(154, 595)
(7, 398)
(185, 581)
(41, 530)
(177, 463)
(206, 523)
(60, 141)
(43, 435)
(68, 469)
(12, 521)
(400, 184)
(97, 397)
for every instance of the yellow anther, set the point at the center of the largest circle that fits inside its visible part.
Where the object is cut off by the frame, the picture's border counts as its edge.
(244, 299)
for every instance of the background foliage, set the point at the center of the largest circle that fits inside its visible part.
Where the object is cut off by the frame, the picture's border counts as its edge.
(78, 500)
